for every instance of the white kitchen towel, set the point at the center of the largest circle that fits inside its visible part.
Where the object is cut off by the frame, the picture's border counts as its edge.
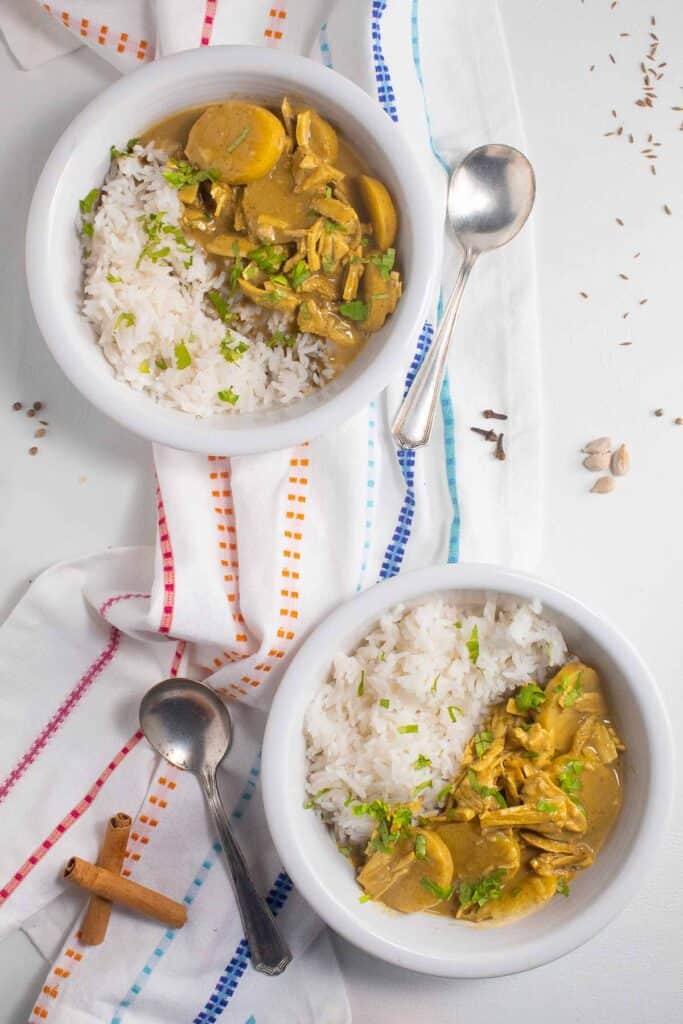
(251, 552)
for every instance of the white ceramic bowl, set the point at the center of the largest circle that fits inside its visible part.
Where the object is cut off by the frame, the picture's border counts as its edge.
(79, 162)
(438, 945)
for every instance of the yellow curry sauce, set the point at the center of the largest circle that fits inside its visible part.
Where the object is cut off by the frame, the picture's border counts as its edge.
(538, 791)
(283, 203)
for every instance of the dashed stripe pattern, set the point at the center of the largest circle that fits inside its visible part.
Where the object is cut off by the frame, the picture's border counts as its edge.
(297, 484)
(66, 823)
(190, 896)
(103, 35)
(220, 477)
(385, 90)
(396, 548)
(274, 31)
(208, 22)
(324, 43)
(235, 968)
(168, 566)
(63, 711)
(369, 522)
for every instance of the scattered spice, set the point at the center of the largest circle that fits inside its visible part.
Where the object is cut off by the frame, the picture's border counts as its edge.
(642, 302)
(679, 421)
(583, 295)
(500, 451)
(611, 57)
(659, 412)
(603, 486)
(621, 461)
(33, 450)
(37, 406)
(488, 435)
(598, 445)
(489, 414)
(17, 406)
(30, 412)
(625, 343)
(667, 210)
(624, 277)
(41, 432)
(619, 222)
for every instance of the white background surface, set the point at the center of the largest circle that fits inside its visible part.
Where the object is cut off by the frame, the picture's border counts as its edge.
(91, 484)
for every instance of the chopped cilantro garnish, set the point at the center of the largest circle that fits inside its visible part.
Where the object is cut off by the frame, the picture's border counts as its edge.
(231, 349)
(570, 777)
(125, 319)
(384, 703)
(113, 279)
(562, 887)
(422, 785)
(331, 225)
(299, 274)
(443, 793)
(473, 645)
(88, 230)
(345, 851)
(571, 690)
(365, 898)
(161, 363)
(546, 806)
(238, 140)
(236, 271)
(488, 888)
(391, 824)
(313, 801)
(114, 153)
(182, 356)
(382, 656)
(458, 625)
(482, 742)
(349, 799)
(421, 762)
(435, 683)
(356, 310)
(421, 846)
(279, 279)
(361, 685)
(181, 174)
(529, 697)
(144, 366)
(88, 202)
(229, 396)
(267, 258)
(278, 338)
(221, 306)
(407, 728)
(485, 790)
(328, 264)
(436, 890)
(384, 262)
(453, 712)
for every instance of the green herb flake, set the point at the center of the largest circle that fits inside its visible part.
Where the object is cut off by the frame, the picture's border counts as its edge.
(384, 703)
(124, 320)
(229, 396)
(569, 777)
(562, 887)
(332, 225)
(453, 712)
(268, 258)
(435, 683)
(87, 204)
(361, 685)
(473, 645)
(356, 310)
(312, 802)
(232, 349)
(443, 793)
(485, 791)
(407, 728)
(349, 799)
(482, 742)
(421, 762)
(115, 153)
(422, 785)
(88, 230)
(180, 174)
(488, 888)
(572, 690)
(420, 846)
(237, 141)
(529, 697)
(345, 851)
(113, 279)
(144, 366)
(382, 656)
(221, 306)
(546, 807)
(391, 824)
(516, 891)
(458, 625)
(299, 274)
(436, 890)
(365, 898)
(161, 363)
(384, 262)
(182, 357)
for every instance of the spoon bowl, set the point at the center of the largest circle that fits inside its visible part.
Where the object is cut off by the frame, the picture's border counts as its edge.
(490, 196)
(187, 723)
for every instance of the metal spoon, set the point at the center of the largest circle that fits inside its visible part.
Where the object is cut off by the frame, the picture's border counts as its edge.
(490, 196)
(188, 724)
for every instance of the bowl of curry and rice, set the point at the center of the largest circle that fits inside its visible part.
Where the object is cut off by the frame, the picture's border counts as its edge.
(466, 772)
(230, 250)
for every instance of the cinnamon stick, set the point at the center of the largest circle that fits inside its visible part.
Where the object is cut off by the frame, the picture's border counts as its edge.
(113, 887)
(111, 856)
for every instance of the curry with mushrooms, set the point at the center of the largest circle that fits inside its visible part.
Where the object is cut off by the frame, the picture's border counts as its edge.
(287, 206)
(538, 791)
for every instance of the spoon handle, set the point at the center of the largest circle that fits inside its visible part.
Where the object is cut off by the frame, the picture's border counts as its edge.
(270, 953)
(412, 426)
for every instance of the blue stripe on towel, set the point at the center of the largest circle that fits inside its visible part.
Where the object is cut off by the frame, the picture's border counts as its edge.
(197, 882)
(324, 43)
(227, 984)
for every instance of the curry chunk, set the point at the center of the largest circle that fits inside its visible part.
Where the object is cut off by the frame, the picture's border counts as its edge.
(240, 141)
(415, 875)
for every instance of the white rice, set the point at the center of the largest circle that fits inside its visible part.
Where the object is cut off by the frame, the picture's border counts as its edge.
(416, 658)
(141, 309)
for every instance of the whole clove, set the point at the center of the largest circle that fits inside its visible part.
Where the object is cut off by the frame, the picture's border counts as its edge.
(488, 435)
(500, 451)
(489, 414)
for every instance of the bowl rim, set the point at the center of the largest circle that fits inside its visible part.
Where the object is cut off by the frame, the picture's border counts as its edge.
(152, 421)
(590, 919)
